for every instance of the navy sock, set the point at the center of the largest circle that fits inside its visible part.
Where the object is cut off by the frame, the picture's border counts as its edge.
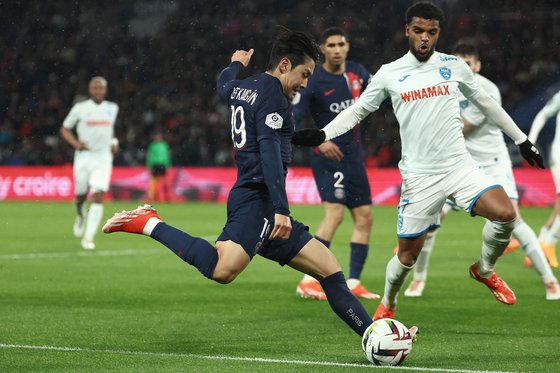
(358, 255)
(193, 250)
(345, 304)
(324, 242)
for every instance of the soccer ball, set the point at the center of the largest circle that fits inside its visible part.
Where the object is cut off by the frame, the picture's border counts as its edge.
(387, 342)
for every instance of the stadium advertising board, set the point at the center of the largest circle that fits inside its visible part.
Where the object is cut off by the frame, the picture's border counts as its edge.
(212, 184)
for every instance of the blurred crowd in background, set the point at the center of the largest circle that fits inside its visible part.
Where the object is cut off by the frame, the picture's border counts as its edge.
(161, 60)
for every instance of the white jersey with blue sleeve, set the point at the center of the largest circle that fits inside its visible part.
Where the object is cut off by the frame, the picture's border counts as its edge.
(425, 98)
(486, 142)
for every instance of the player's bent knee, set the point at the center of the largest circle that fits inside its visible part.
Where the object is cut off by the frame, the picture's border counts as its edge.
(507, 214)
(224, 277)
(407, 258)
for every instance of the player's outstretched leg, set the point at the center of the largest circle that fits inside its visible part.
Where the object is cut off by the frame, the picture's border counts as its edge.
(416, 286)
(345, 304)
(497, 286)
(496, 236)
(395, 276)
(133, 221)
(94, 216)
(309, 287)
(80, 221)
(145, 220)
(315, 259)
(548, 239)
(531, 247)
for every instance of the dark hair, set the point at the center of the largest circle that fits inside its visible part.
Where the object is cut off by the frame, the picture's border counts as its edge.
(294, 45)
(333, 31)
(424, 10)
(466, 49)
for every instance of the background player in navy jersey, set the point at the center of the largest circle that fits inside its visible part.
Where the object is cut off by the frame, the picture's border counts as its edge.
(258, 215)
(338, 165)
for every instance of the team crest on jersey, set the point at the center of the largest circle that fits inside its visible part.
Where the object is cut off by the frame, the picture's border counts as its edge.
(274, 121)
(445, 72)
(464, 104)
(339, 193)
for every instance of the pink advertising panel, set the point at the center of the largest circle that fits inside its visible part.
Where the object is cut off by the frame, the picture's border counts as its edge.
(212, 184)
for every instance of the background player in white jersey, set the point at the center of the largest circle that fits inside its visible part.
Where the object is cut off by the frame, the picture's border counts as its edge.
(94, 121)
(423, 86)
(551, 230)
(485, 142)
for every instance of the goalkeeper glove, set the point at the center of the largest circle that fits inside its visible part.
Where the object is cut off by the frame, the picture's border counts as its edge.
(531, 153)
(309, 137)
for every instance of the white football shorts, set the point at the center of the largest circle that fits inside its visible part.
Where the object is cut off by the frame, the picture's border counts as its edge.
(92, 173)
(555, 162)
(502, 173)
(422, 197)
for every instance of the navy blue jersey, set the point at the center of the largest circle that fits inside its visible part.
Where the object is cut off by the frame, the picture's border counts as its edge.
(326, 95)
(261, 113)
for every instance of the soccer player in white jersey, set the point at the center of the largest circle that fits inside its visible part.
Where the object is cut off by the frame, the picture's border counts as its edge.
(423, 86)
(95, 144)
(551, 230)
(485, 142)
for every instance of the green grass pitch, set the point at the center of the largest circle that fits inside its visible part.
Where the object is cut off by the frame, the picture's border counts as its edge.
(131, 305)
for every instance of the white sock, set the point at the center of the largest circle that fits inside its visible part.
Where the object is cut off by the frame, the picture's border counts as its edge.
(543, 232)
(94, 216)
(150, 225)
(352, 283)
(395, 276)
(552, 237)
(530, 245)
(495, 238)
(81, 209)
(423, 260)
(307, 278)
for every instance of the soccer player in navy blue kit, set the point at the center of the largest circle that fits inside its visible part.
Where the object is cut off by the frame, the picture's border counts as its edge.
(258, 214)
(338, 165)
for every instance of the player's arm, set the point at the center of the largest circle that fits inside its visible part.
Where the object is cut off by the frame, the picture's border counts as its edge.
(239, 60)
(342, 123)
(368, 102)
(273, 171)
(502, 119)
(301, 103)
(495, 113)
(66, 130)
(552, 107)
(115, 148)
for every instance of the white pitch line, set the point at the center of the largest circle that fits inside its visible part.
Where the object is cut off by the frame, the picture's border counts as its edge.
(83, 254)
(86, 254)
(233, 358)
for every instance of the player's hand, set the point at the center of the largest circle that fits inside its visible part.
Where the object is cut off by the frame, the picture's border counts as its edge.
(531, 153)
(81, 146)
(308, 137)
(242, 56)
(331, 151)
(282, 227)
(115, 146)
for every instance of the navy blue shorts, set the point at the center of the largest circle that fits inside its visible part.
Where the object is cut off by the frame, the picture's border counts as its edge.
(250, 219)
(342, 182)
